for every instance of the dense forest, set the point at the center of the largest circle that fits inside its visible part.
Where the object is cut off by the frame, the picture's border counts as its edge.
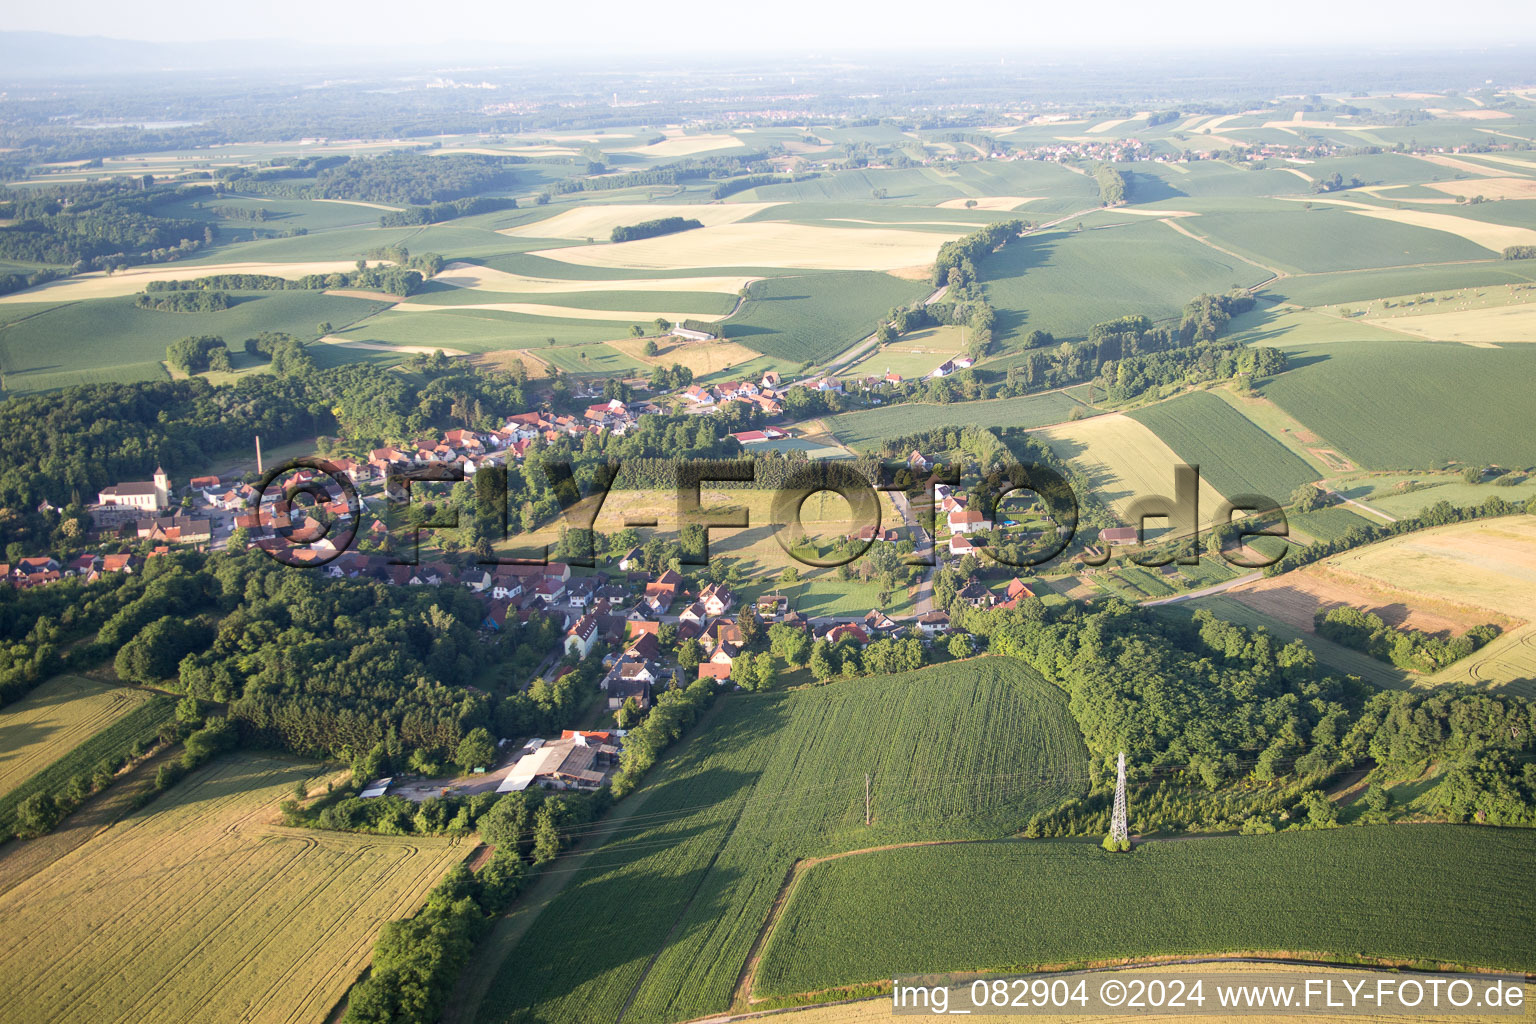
(94, 226)
(415, 177)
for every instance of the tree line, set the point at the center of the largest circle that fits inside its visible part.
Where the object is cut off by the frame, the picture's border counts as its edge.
(652, 228)
(200, 301)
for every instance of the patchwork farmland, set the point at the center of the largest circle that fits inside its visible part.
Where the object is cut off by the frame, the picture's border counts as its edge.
(766, 780)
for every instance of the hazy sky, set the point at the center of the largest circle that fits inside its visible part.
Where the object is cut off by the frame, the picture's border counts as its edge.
(658, 26)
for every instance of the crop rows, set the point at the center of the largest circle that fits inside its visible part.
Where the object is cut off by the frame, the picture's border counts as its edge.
(223, 915)
(141, 724)
(1232, 453)
(964, 750)
(1411, 405)
(1380, 892)
(867, 428)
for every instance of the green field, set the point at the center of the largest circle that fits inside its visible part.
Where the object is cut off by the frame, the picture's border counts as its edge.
(1329, 289)
(967, 749)
(1410, 405)
(1231, 451)
(112, 340)
(1380, 491)
(815, 316)
(1064, 281)
(1327, 524)
(866, 428)
(1328, 238)
(1382, 891)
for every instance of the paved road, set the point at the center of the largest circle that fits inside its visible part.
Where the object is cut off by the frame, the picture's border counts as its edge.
(860, 350)
(1361, 506)
(923, 546)
(1208, 591)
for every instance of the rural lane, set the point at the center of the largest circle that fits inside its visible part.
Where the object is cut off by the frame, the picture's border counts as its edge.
(1207, 591)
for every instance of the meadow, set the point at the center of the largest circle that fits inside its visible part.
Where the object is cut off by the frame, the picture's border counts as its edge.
(962, 750)
(65, 728)
(866, 428)
(270, 924)
(1407, 494)
(869, 917)
(1413, 405)
(913, 355)
(1331, 289)
(1231, 451)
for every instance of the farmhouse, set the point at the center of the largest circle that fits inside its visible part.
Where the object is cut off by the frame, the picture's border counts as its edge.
(151, 495)
(1119, 535)
(577, 760)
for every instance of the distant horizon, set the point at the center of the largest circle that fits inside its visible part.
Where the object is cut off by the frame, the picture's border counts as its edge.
(694, 30)
(31, 54)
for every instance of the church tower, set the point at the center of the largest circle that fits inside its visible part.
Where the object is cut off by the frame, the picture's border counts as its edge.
(162, 489)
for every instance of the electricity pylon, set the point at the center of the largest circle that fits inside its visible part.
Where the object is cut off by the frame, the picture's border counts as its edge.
(1117, 827)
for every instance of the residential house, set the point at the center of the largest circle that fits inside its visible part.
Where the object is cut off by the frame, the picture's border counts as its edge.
(960, 545)
(846, 631)
(716, 599)
(968, 520)
(934, 623)
(580, 638)
(975, 594)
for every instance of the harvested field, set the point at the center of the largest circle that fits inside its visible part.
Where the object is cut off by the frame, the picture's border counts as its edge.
(100, 285)
(877, 1010)
(687, 145)
(988, 202)
(359, 202)
(702, 357)
(1489, 566)
(505, 360)
(560, 312)
(1488, 325)
(472, 275)
(1488, 188)
(222, 915)
(1294, 597)
(595, 220)
(1123, 461)
(766, 244)
(374, 346)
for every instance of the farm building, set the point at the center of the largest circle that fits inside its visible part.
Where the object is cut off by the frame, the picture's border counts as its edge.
(577, 760)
